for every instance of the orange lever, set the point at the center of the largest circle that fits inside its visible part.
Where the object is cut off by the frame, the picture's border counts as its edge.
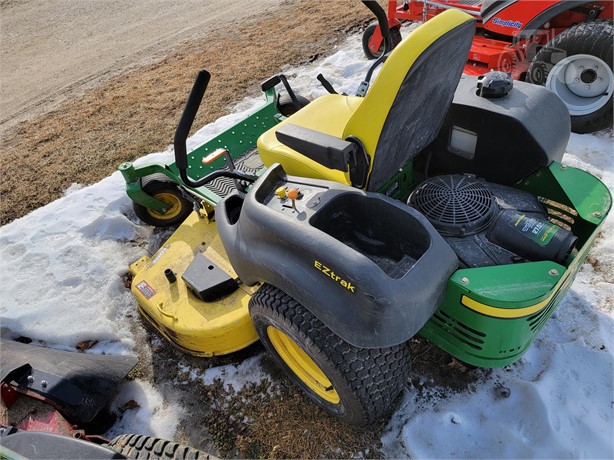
(293, 194)
(213, 156)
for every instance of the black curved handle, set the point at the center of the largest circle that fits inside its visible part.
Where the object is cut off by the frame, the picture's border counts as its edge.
(382, 20)
(187, 118)
(181, 136)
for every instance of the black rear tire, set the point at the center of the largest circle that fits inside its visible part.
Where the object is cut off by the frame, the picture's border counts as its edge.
(395, 34)
(167, 191)
(145, 447)
(358, 385)
(592, 38)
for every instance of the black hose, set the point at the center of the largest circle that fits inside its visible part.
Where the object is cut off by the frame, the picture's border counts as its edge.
(232, 174)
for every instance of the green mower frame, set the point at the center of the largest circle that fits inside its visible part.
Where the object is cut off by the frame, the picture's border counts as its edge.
(485, 316)
(157, 208)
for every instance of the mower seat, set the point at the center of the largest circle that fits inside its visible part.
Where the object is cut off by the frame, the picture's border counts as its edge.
(400, 115)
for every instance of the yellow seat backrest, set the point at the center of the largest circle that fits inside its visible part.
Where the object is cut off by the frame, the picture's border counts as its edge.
(418, 78)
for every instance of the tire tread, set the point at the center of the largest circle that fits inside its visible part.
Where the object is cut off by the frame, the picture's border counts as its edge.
(374, 377)
(136, 446)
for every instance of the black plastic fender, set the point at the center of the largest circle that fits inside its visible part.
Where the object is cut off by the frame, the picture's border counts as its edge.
(18, 444)
(79, 385)
(371, 268)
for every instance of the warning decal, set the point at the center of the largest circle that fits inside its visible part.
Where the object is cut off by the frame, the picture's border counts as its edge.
(146, 289)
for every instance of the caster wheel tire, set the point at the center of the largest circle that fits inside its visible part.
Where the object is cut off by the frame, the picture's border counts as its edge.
(137, 446)
(178, 207)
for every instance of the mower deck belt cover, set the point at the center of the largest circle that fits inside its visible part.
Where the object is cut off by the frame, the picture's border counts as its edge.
(199, 327)
(372, 269)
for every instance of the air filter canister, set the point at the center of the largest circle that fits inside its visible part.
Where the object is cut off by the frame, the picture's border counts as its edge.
(531, 237)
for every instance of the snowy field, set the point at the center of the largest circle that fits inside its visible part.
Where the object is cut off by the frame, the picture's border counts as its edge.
(62, 268)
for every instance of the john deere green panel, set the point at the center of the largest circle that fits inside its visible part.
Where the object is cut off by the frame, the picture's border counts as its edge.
(491, 315)
(400, 184)
(237, 139)
(572, 197)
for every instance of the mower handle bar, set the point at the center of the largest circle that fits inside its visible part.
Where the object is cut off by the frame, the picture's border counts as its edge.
(187, 118)
(181, 137)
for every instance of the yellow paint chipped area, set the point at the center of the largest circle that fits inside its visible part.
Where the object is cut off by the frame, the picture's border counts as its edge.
(201, 328)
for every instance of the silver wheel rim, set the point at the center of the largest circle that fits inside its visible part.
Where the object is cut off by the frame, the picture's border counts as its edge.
(584, 83)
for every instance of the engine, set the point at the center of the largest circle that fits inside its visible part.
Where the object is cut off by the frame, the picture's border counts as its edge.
(490, 224)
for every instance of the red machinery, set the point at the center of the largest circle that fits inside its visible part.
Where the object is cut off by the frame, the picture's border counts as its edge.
(565, 45)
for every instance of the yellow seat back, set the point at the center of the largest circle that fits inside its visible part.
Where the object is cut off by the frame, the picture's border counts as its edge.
(401, 113)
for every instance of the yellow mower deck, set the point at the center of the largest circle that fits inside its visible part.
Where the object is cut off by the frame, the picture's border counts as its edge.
(197, 327)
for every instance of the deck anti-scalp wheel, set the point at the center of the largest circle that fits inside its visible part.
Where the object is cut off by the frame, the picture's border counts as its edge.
(577, 66)
(178, 207)
(358, 385)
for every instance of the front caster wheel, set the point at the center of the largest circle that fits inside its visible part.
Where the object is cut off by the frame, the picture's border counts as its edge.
(358, 385)
(178, 208)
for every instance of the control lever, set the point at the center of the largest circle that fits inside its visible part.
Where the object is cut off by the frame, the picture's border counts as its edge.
(326, 84)
(293, 194)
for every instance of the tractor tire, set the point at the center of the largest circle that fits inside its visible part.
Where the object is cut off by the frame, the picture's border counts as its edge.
(358, 385)
(160, 187)
(145, 447)
(395, 34)
(577, 66)
(286, 106)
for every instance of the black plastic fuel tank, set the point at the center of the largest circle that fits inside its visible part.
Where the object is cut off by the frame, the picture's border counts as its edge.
(500, 139)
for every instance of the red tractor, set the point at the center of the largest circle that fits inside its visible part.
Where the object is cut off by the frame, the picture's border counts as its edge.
(565, 45)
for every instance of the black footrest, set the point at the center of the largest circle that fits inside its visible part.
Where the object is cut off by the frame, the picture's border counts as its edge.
(207, 280)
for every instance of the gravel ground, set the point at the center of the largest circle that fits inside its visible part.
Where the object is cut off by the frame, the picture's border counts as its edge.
(53, 50)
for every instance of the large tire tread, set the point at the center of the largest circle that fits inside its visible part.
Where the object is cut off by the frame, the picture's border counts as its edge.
(591, 37)
(136, 446)
(367, 380)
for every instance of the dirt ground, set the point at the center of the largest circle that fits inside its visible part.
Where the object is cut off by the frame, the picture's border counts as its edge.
(84, 126)
(54, 50)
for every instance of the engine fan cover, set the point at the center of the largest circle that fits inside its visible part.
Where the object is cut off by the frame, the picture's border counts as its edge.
(456, 205)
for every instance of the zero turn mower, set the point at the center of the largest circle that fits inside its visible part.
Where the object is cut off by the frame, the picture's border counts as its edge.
(429, 204)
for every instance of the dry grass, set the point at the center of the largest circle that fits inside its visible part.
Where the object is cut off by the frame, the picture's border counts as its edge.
(136, 114)
(276, 420)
